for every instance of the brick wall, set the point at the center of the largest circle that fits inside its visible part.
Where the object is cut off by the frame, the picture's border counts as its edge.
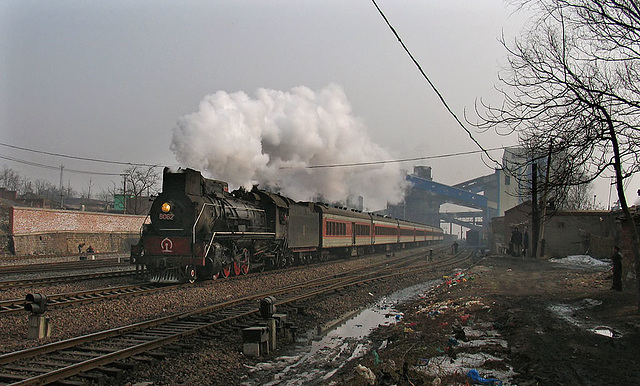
(48, 231)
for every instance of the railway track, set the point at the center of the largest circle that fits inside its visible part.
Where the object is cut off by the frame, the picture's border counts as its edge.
(82, 297)
(111, 351)
(13, 306)
(26, 283)
(63, 266)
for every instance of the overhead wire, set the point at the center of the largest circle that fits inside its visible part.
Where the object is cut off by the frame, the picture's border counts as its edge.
(433, 87)
(352, 164)
(30, 163)
(80, 158)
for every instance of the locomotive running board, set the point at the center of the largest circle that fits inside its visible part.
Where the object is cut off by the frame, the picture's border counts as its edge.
(260, 235)
(255, 235)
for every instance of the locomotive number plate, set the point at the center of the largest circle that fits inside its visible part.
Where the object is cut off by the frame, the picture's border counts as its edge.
(165, 216)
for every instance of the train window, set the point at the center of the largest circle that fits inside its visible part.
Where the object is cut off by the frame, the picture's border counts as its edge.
(362, 230)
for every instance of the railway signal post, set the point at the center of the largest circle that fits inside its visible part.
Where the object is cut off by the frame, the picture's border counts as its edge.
(39, 325)
(267, 309)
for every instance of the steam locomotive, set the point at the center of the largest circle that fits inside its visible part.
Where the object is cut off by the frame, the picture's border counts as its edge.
(198, 230)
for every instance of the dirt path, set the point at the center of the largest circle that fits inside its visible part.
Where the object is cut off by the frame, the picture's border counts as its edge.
(525, 322)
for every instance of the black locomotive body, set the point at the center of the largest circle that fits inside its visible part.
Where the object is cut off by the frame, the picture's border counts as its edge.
(198, 230)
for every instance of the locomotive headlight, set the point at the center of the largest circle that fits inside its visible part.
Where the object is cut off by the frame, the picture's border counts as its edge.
(166, 207)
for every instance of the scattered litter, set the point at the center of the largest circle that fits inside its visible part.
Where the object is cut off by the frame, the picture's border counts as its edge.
(476, 378)
(607, 331)
(444, 365)
(366, 374)
(376, 358)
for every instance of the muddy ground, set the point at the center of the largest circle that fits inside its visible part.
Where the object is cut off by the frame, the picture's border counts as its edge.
(520, 321)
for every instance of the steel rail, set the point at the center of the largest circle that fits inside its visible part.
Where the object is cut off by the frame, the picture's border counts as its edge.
(4, 284)
(89, 296)
(62, 266)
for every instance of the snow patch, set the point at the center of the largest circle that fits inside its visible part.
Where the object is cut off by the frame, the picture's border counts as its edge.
(581, 261)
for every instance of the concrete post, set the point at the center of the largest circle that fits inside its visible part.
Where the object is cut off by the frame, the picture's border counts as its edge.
(39, 327)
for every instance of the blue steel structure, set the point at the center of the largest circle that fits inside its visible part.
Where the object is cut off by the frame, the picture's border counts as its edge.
(463, 194)
(454, 195)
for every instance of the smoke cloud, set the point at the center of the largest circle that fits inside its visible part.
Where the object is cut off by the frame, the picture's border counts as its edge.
(272, 140)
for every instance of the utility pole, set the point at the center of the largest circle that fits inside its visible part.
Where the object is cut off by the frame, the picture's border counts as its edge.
(124, 193)
(61, 188)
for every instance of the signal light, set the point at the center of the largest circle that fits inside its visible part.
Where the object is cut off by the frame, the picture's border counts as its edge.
(36, 303)
(267, 307)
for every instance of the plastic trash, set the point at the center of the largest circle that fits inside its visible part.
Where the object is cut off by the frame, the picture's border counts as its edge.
(476, 378)
(366, 373)
(376, 359)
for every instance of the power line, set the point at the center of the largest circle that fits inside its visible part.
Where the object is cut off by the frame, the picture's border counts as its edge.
(433, 87)
(30, 163)
(353, 164)
(80, 158)
(395, 160)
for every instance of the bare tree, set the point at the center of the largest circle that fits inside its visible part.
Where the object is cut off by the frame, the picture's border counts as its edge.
(572, 86)
(10, 179)
(140, 183)
(86, 193)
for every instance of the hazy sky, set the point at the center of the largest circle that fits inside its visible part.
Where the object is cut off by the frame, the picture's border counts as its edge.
(112, 80)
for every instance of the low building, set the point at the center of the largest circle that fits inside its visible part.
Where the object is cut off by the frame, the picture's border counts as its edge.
(562, 233)
(52, 232)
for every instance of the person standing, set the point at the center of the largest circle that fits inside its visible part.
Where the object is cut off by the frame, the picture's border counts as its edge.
(617, 269)
(525, 242)
(516, 242)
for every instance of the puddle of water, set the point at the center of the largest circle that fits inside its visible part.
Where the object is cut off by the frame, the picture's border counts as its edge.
(567, 313)
(315, 363)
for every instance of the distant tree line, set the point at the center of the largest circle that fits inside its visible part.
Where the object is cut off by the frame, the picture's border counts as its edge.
(140, 182)
(14, 181)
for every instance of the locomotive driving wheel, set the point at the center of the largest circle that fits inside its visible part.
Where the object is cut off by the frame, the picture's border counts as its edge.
(241, 267)
(225, 272)
(244, 262)
(190, 273)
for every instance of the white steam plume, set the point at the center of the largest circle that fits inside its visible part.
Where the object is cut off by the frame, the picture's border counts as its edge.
(270, 140)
